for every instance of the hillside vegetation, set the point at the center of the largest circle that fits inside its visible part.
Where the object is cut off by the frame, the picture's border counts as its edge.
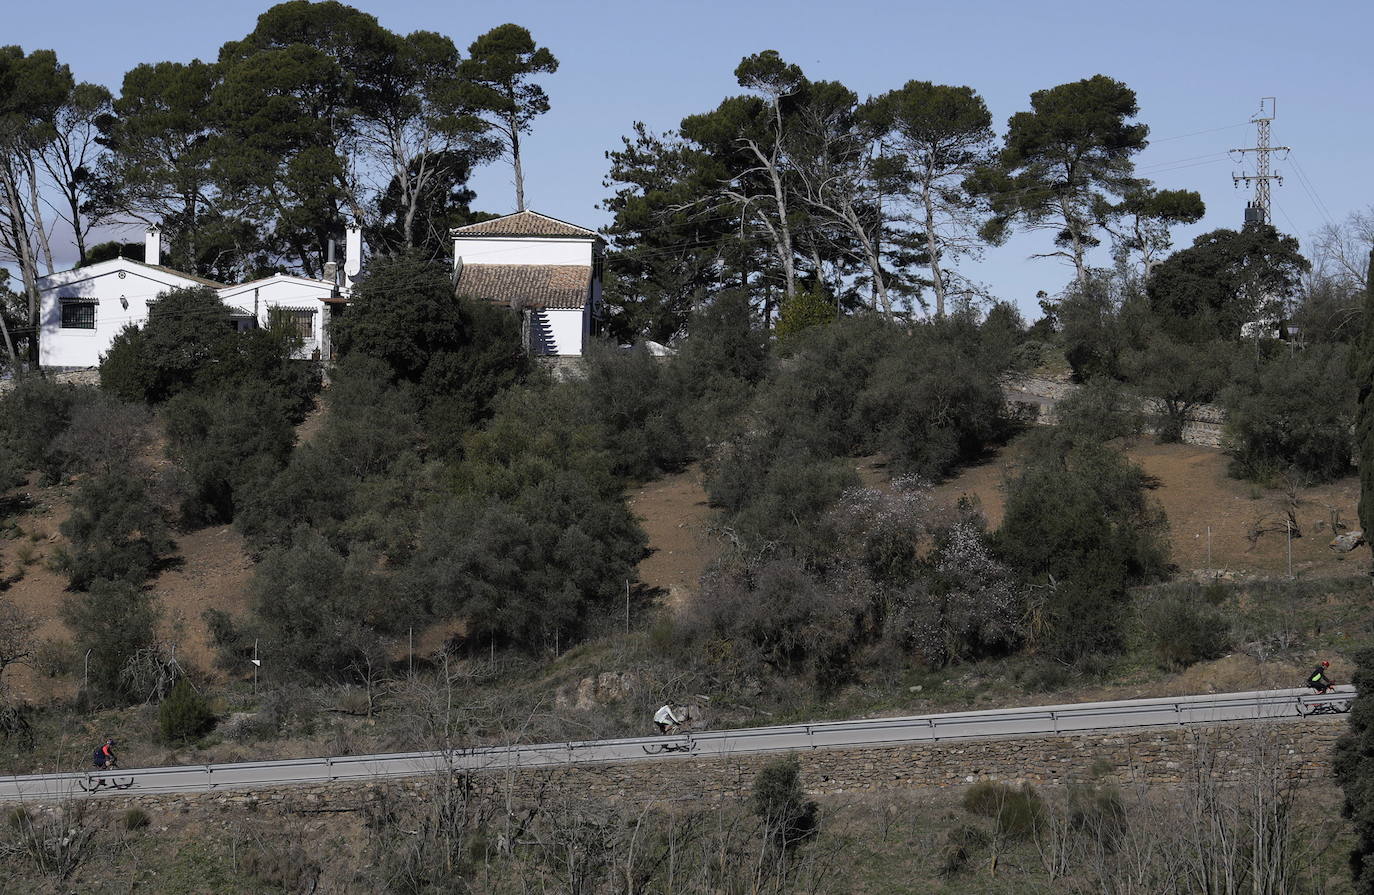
(817, 505)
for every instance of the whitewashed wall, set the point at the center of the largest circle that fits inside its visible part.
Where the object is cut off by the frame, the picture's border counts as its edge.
(527, 250)
(285, 291)
(568, 329)
(112, 285)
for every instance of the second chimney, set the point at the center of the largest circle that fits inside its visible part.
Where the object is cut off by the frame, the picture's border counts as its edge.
(353, 251)
(152, 246)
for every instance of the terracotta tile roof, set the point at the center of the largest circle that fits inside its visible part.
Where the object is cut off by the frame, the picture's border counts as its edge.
(181, 273)
(558, 287)
(524, 223)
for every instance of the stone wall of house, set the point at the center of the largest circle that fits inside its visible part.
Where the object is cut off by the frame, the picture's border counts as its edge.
(1033, 399)
(563, 369)
(71, 377)
(1302, 750)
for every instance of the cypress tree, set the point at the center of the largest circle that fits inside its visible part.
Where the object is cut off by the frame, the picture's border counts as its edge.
(1355, 751)
(1362, 370)
(1355, 774)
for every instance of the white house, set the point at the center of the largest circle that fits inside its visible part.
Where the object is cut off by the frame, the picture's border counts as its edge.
(548, 269)
(305, 302)
(82, 310)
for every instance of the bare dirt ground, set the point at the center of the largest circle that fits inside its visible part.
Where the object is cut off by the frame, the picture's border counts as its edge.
(39, 593)
(675, 516)
(1193, 487)
(1198, 496)
(212, 570)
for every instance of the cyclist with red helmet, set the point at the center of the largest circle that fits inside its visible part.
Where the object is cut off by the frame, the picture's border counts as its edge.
(1318, 680)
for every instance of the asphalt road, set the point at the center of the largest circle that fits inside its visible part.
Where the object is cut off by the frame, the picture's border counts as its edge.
(1271, 705)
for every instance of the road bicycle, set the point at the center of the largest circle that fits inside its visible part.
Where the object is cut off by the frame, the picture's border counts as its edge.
(96, 781)
(1323, 708)
(683, 727)
(658, 748)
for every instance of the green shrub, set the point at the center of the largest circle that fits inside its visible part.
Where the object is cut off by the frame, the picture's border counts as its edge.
(328, 614)
(1099, 410)
(370, 439)
(780, 500)
(1178, 376)
(1091, 330)
(1021, 814)
(184, 715)
(187, 344)
(985, 797)
(233, 644)
(32, 415)
(960, 842)
(126, 368)
(934, 402)
(173, 350)
(1017, 813)
(17, 817)
(640, 424)
(1099, 812)
(717, 367)
(228, 441)
(804, 310)
(459, 355)
(779, 801)
(135, 819)
(1294, 412)
(1043, 676)
(537, 484)
(1181, 630)
(111, 622)
(1079, 522)
(779, 613)
(116, 532)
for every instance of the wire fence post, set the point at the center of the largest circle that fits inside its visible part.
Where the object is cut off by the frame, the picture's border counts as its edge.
(627, 606)
(1288, 528)
(412, 651)
(1209, 546)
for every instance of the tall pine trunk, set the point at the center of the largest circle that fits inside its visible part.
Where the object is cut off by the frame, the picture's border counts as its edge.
(514, 126)
(937, 275)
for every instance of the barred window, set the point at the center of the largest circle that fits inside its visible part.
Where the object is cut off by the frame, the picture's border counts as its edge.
(78, 315)
(304, 322)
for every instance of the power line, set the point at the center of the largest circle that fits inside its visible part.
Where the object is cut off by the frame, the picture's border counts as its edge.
(1312, 193)
(1210, 130)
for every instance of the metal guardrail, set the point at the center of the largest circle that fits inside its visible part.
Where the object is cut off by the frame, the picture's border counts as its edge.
(949, 727)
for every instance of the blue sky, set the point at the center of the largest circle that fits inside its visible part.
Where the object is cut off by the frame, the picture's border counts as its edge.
(1198, 68)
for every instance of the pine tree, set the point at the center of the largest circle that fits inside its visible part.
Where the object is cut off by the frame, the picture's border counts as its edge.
(184, 715)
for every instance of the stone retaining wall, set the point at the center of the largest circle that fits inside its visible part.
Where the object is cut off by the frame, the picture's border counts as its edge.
(1303, 749)
(70, 377)
(1033, 398)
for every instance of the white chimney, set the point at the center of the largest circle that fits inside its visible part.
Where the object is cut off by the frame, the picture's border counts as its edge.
(353, 251)
(152, 246)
